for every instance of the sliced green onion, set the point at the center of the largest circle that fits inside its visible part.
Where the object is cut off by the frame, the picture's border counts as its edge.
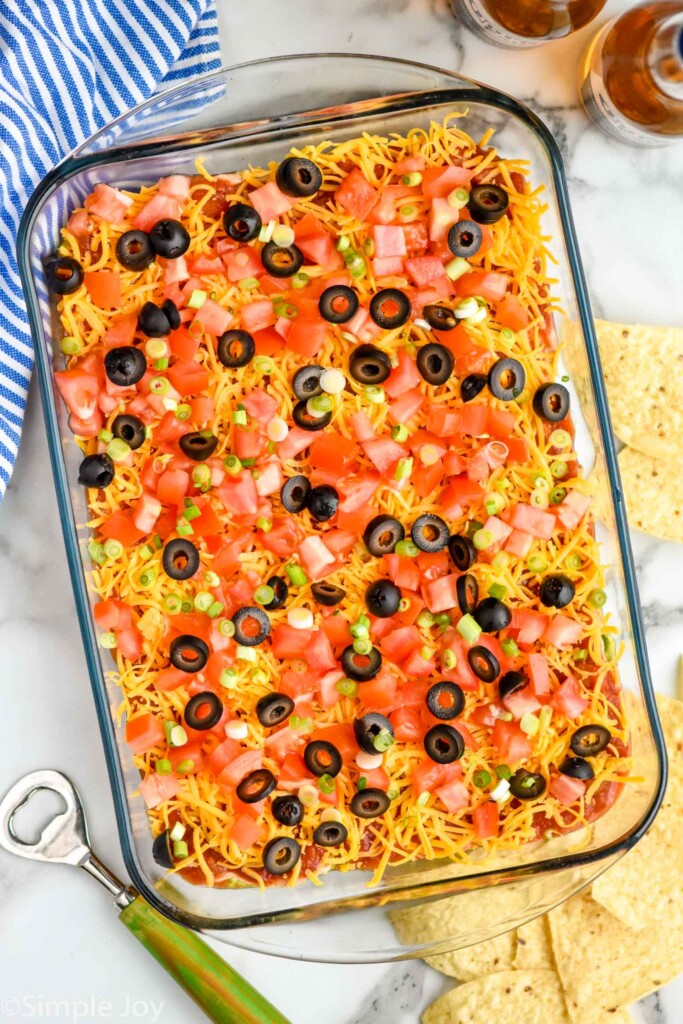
(500, 560)
(203, 601)
(426, 653)
(353, 259)
(443, 619)
(159, 385)
(239, 417)
(326, 784)
(375, 394)
(560, 439)
(408, 548)
(177, 832)
(507, 335)
(466, 307)
(383, 740)
(457, 267)
(186, 766)
(404, 468)
(246, 654)
(559, 470)
(404, 604)
(503, 772)
(472, 527)
(232, 465)
(264, 364)
(146, 552)
(164, 766)
(118, 449)
(458, 198)
(265, 524)
(540, 482)
(597, 598)
(308, 794)
(107, 640)
(297, 576)
(197, 299)
(363, 620)
(539, 498)
(362, 782)
(97, 552)
(147, 578)
(414, 178)
(481, 779)
(226, 627)
(609, 647)
(283, 235)
(175, 734)
(247, 283)
(180, 850)
(557, 495)
(497, 590)
(319, 405)
(113, 548)
(301, 724)
(264, 594)
(105, 436)
(448, 659)
(183, 412)
(536, 563)
(191, 512)
(228, 678)
(574, 562)
(258, 677)
(544, 716)
(369, 247)
(359, 631)
(469, 629)
(408, 212)
(394, 791)
(347, 687)
(399, 433)
(187, 606)
(183, 528)
(343, 243)
(581, 655)
(423, 799)
(510, 647)
(529, 724)
(173, 603)
(482, 539)
(300, 280)
(201, 475)
(156, 348)
(247, 463)
(426, 619)
(266, 232)
(362, 645)
(70, 345)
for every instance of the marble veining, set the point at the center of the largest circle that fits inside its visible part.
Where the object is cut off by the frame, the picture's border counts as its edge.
(57, 920)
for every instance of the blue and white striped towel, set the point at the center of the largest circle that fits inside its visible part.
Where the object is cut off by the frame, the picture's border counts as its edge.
(67, 67)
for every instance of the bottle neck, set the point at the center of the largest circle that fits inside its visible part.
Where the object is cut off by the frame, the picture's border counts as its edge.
(665, 56)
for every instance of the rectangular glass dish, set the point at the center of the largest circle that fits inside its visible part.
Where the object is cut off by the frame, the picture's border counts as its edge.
(252, 115)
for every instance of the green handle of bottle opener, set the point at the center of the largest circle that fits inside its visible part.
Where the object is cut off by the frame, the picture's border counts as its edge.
(223, 994)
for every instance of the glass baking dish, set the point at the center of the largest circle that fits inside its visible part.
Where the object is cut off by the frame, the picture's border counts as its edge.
(253, 114)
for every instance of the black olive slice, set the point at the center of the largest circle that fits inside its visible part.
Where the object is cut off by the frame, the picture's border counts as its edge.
(96, 471)
(445, 700)
(198, 445)
(361, 667)
(204, 710)
(464, 238)
(368, 728)
(180, 559)
(429, 532)
(252, 626)
(288, 810)
(492, 615)
(306, 382)
(322, 758)
(189, 653)
(506, 379)
(161, 849)
(303, 418)
(280, 593)
(390, 308)
(435, 363)
(487, 203)
(153, 321)
(462, 551)
(298, 177)
(577, 768)
(551, 402)
(130, 429)
(172, 313)
(255, 786)
(134, 251)
(483, 663)
(382, 534)
(511, 682)
(472, 385)
(295, 492)
(370, 803)
(338, 304)
(467, 591)
(527, 785)
(444, 744)
(64, 274)
(235, 349)
(369, 365)
(242, 222)
(281, 260)
(323, 502)
(327, 594)
(556, 591)
(382, 598)
(590, 740)
(169, 239)
(440, 318)
(330, 833)
(125, 365)
(273, 709)
(280, 855)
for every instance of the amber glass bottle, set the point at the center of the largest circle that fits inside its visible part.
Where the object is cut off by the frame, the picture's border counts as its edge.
(631, 80)
(525, 22)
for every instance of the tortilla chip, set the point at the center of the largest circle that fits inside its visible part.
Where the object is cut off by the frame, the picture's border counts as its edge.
(643, 369)
(534, 951)
(654, 493)
(645, 888)
(603, 964)
(475, 961)
(511, 997)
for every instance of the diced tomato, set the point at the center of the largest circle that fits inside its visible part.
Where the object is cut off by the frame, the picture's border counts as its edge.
(383, 453)
(222, 755)
(218, 661)
(283, 538)
(203, 409)
(267, 341)
(571, 511)
(239, 494)
(333, 452)
(107, 614)
(297, 441)
(528, 624)
(379, 692)
(407, 724)
(474, 419)
(399, 644)
(485, 819)
(416, 665)
(172, 486)
(244, 262)
(362, 426)
(188, 752)
(260, 405)
(439, 181)
(80, 225)
(563, 631)
(108, 203)
(568, 699)
(442, 217)
(441, 595)
(408, 164)
(336, 630)
(282, 743)
(405, 407)
(79, 391)
(464, 490)
(207, 523)
(270, 478)
(454, 796)
(538, 668)
(501, 423)
(144, 732)
(245, 832)
(426, 479)
(120, 526)
(442, 421)
(428, 776)
(403, 377)
(306, 338)
(298, 684)
(522, 702)
(288, 642)
(157, 789)
(258, 315)
(491, 285)
(403, 571)
(519, 543)
(566, 789)
(104, 288)
(511, 743)
(356, 195)
(511, 313)
(246, 762)
(425, 270)
(213, 318)
(389, 266)
(499, 530)
(248, 442)
(518, 449)
(176, 185)
(532, 520)
(170, 678)
(319, 653)
(146, 513)
(188, 377)
(159, 207)
(169, 429)
(329, 694)
(318, 247)
(269, 202)
(389, 241)
(315, 557)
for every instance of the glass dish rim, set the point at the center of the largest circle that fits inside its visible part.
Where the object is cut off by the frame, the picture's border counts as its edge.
(463, 88)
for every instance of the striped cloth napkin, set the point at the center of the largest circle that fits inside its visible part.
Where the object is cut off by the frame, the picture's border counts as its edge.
(67, 67)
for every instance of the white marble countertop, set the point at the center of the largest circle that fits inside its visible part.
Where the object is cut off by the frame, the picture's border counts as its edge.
(62, 956)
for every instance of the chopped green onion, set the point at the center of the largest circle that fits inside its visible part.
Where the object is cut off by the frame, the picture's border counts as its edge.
(300, 280)
(448, 659)
(394, 791)
(97, 552)
(375, 394)
(297, 576)
(347, 687)
(264, 594)
(426, 653)
(177, 832)
(472, 527)
(404, 604)
(500, 560)
(399, 433)
(197, 299)
(164, 766)
(559, 470)
(247, 463)
(343, 243)
(211, 578)
(232, 465)
(308, 794)
(362, 782)
(264, 364)
(529, 724)
(482, 539)
(580, 655)
(540, 481)
(363, 645)
(175, 734)
(359, 631)
(258, 677)
(191, 512)
(404, 468)
(264, 524)
(186, 766)
(301, 724)
(507, 335)
(510, 647)
(466, 307)
(326, 784)
(560, 439)
(203, 601)
(319, 405)
(201, 475)
(226, 627)
(118, 449)
(146, 552)
(161, 364)
(426, 619)
(215, 610)
(609, 647)
(239, 417)
(458, 198)
(597, 598)
(557, 495)
(408, 212)
(498, 590)
(369, 247)
(183, 528)
(539, 498)
(70, 346)
(227, 678)
(105, 436)
(266, 232)
(183, 412)
(246, 653)
(412, 179)
(159, 385)
(113, 548)
(383, 740)
(180, 850)
(469, 629)
(574, 562)
(457, 267)
(503, 772)
(108, 640)
(353, 259)
(481, 779)
(247, 283)
(544, 716)
(147, 578)
(423, 799)
(156, 348)
(363, 620)
(408, 548)
(443, 619)
(283, 235)
(536, 563)
(186, 606)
